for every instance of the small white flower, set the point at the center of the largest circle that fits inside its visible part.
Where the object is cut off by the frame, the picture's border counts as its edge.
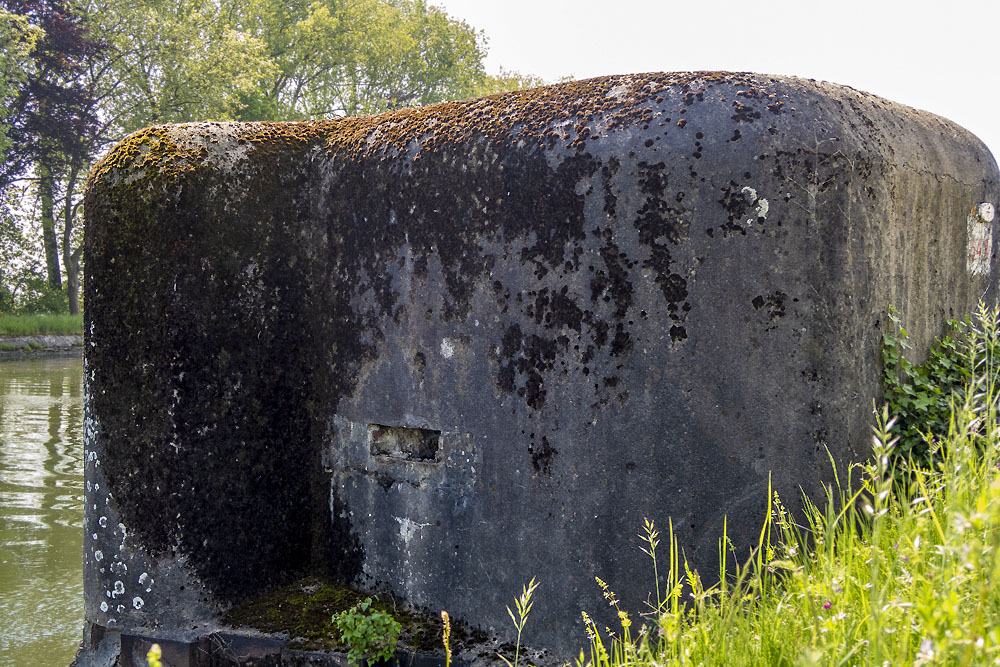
(926, 653)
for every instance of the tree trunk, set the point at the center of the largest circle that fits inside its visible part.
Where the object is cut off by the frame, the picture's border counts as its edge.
(71, 258)
(46, 193)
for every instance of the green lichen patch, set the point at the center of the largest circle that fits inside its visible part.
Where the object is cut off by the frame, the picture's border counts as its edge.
(304, 610)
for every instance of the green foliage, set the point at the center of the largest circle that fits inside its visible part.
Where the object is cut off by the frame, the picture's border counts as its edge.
(359, 57)
(921, 396)
(367, 633)
(24, 288)
(280, 60)
(18, 255)
(505, 81)
(173, 62)
(19, 38)
(41, 298)
(880, 572)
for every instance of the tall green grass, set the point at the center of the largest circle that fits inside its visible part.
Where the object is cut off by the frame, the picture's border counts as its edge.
(36, 325)
(893, 567)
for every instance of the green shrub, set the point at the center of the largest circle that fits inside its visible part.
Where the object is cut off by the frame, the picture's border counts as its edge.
(921, 396)
(39, 298)
(367, 633)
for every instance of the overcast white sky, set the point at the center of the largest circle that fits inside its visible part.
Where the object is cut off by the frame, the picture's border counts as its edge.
(939, 56)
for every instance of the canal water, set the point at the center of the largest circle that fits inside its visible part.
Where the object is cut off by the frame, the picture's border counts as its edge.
(41, 511)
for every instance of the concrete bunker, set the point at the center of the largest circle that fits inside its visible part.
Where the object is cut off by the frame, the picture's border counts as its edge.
(443, 350)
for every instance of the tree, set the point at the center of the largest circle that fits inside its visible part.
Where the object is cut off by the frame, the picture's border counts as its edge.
(11, 249)
(18, 37)
(505, 81)
(50, 118)
(171, 61)
(424, 57)
(49, 110)
(357, 56)
(23, 286)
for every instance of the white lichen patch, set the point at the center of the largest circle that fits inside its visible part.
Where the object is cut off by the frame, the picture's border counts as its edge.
(761, 205)
(408, 528)
(447, 348)
(618, 92)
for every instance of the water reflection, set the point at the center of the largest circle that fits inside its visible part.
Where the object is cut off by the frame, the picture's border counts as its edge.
(41, 510)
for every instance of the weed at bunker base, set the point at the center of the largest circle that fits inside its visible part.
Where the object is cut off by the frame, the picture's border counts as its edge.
(368, 634)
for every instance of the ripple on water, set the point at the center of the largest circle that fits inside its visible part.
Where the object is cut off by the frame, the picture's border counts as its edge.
(41, 511)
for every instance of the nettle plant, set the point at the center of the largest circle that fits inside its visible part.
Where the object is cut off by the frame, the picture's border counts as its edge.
(922, 396)
(367, 633)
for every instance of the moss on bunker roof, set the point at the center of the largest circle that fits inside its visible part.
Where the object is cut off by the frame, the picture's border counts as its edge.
(534, 116)
(568, 115)
(153, 148)
(530, 116)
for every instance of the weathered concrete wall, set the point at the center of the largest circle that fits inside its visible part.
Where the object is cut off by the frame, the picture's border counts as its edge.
(443, 350)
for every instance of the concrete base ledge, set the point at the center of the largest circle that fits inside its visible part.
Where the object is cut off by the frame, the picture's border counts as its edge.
(106, 647)
(21, 347)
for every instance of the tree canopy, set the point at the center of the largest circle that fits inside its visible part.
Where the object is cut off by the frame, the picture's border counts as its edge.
(48, 109)
(78, 75)
(19, 38)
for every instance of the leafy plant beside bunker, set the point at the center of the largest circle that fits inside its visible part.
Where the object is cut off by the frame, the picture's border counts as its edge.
(305, 611)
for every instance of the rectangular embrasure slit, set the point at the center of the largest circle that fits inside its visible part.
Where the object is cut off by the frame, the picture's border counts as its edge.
(405, 444)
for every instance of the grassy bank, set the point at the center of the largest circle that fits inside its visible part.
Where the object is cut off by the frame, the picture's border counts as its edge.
(899, 565)
(40, 325)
